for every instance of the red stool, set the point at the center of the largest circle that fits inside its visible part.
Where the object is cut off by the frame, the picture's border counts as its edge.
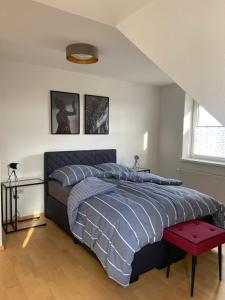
(195, 237)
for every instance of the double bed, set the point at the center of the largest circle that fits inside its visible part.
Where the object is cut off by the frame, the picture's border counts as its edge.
(152, 255)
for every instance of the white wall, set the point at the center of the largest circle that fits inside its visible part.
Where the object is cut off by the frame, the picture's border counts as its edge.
(185, 38)
(205, 178)
(25, 121)
(0, 213)
(1, 95)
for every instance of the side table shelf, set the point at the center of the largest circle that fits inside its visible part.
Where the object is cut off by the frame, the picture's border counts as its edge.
(9, 198)
(147, 170)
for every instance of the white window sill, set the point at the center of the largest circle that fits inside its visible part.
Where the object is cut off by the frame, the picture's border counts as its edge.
(204, 162)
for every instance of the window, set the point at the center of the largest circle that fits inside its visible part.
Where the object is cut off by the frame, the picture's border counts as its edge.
(207, 136)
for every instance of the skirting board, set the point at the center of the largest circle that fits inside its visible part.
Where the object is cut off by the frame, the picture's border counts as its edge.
(28, 217)
(24, 218)
(37, 215)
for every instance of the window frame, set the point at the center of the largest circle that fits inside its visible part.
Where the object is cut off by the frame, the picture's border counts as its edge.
(192, 155)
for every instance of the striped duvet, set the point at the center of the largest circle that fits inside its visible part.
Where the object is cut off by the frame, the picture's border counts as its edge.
(116, 218)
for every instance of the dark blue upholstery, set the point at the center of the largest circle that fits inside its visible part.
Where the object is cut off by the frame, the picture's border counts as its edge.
(58, 159)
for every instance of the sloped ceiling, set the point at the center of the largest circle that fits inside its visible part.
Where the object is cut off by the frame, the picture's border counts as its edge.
(34, 33)
(109, 12)
(186, 39)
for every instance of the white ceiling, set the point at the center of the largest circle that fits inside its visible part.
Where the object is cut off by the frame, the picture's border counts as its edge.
(35, 33)
(187, 40)
(110, 12)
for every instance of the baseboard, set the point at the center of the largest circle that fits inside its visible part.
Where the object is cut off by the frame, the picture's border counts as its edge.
(28, 217)
(24, 218)
(2, 248)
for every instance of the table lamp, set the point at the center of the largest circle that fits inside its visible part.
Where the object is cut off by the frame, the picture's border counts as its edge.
(13, 166)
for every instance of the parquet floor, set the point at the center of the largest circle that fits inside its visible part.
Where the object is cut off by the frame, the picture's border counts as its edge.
(44, 263)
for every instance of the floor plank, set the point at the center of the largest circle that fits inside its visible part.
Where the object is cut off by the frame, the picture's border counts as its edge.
(44, 263)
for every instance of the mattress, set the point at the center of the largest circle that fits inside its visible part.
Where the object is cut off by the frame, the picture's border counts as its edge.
(57, 191)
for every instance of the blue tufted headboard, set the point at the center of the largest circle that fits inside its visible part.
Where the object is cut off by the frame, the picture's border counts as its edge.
(58, 159)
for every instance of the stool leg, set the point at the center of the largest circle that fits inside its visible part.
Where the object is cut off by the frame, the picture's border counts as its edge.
(220, 261)
(194, 262)
(169, 261)
(168, 271)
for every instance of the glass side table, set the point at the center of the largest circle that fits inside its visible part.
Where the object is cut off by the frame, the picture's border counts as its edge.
(9, 198)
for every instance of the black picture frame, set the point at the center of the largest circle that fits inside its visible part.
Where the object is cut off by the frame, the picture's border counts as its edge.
(96, 110)
(68, 120)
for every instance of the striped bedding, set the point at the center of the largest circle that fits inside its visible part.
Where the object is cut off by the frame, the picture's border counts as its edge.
(116, 217)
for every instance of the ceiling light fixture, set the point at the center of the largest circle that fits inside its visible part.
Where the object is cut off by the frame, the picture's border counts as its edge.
(82, 53)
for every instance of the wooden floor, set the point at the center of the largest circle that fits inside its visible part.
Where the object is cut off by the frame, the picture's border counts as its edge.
(44, 263)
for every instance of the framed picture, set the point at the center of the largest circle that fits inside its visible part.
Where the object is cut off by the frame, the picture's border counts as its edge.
(65, 113)
(96, 114)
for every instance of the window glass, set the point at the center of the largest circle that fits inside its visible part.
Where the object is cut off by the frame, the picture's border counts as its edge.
(208, 136)
(204, 118)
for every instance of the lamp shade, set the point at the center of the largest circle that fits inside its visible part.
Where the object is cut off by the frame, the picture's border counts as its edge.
(14, 166)
(82, 53)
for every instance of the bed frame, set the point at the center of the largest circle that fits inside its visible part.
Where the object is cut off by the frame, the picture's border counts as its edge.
(149, 257)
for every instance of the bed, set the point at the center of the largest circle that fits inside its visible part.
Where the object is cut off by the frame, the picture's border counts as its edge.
(150, 256)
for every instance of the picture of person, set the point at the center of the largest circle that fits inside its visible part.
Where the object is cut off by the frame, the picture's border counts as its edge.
(65, 113)
(96, 114)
